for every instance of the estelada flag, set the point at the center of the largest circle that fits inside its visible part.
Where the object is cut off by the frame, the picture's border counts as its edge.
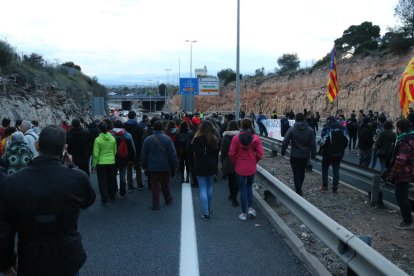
(407, 87)
(332, 79)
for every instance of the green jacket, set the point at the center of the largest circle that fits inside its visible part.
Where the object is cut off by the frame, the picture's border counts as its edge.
(104, 149)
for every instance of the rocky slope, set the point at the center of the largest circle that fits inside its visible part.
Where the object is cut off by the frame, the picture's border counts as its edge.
(367, 83)
(44, 103)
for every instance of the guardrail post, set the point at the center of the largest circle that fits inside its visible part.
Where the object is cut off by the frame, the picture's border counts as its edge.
(375, 190)
(368, 240)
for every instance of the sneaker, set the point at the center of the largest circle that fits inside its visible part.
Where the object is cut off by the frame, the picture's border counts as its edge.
(323, 189)
(140, 187)
(243, 216)
(205, 217)
(235, 203)
(168, 202)
(132, 189)
(334, 192)
(251, 212)
(155, 207)
(404, 226)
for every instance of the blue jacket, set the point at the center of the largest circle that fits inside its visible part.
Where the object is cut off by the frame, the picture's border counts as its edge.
(158, 157)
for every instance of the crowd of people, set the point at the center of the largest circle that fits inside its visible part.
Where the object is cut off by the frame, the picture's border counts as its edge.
(188, 147)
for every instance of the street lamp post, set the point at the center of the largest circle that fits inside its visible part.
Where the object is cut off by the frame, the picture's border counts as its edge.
(150, 97)
(166, 86)
(191, 96)
(238, 63)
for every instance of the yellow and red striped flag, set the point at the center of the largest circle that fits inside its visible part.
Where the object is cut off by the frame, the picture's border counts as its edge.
(333, 79)
(407, 87)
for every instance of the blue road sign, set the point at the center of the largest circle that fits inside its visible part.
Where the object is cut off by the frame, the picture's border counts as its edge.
(188, 86)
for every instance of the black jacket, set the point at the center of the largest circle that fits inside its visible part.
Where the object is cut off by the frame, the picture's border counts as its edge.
(205, 157)
(79, 142)
(137, 133)
(42, 203)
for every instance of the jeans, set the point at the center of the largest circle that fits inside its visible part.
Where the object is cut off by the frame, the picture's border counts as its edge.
(205, 187)
(352, 140)
(401, 195)
(298, 168)
(246, 193)
(136, 164)
(233, 186)
(335, 161)
(121, 166)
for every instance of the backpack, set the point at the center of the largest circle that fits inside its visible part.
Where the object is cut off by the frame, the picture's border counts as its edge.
(337, 142)
(284, 126)
(17, 156)
(122, 147)
(352, 125)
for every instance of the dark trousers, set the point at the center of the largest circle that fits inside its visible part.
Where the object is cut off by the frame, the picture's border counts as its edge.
(136, 164)
(335, 161)
(352, 140)
(83, 165)
(121, 167)
(233, 186)
(184, 165)
(401, 194)
(105, 175)
(298, 168)
(160, 181)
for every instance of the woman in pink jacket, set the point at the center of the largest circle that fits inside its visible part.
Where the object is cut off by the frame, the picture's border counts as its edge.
(246, 150)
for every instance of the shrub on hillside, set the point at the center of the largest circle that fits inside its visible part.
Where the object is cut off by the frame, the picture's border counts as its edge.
(7, 53)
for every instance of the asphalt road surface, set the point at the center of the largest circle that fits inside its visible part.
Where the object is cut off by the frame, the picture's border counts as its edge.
(128, 238)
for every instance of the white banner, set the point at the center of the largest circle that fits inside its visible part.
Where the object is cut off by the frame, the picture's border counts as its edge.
(274, 129)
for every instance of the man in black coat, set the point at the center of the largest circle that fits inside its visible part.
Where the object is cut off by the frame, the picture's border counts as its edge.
(41, 203)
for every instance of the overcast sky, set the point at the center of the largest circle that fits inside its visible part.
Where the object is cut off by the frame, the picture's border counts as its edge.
(134, 41)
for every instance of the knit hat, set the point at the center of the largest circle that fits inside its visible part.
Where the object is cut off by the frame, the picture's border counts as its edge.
(17, 137)
(196, 121)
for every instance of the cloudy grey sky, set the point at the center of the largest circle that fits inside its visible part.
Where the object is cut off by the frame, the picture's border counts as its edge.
(134, 41)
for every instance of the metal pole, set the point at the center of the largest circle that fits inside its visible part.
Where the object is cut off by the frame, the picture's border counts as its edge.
(238, 63)
(191, 96)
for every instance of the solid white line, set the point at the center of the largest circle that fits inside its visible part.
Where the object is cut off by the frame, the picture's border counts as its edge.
(188, 250)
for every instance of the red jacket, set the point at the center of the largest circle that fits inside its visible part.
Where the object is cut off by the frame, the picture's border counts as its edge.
(245, 152)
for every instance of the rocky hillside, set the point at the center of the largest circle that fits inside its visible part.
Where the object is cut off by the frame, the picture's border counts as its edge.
(44, 102)
(368, 83)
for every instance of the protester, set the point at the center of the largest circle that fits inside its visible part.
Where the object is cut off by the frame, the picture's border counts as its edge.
(79, 142)
(259, 121)
(334, 140)
(303, 144)
(193, 129)
(125, 153)
(402, 171)
(228, 167)
(205, 147)
(159, 158)
(104, 150)
(183, 140)
(30, 137)
(17, 154)
(245, 152)
(138, 135)
(43, 217)
(36, 127)
(5, 124)
(352, 126)
(365, 142)
(384, 145)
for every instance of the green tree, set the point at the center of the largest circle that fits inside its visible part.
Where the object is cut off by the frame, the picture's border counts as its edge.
(162, 88)
(7, 53)
(359, 38)
(227, 76)
(405, 12)
(72, 65)
(396, 41)
(34, 60)
(288, 63)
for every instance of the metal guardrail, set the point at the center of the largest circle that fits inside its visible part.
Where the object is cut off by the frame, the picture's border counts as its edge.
(371, 182)
(356, 254)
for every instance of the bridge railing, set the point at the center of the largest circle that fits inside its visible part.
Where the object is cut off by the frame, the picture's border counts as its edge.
(355, 253)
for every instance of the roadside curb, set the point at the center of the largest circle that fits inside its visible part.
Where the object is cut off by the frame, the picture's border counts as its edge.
(290, 238)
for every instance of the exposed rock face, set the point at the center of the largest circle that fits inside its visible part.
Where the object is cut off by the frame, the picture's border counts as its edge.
(47, 105)
(370, 83)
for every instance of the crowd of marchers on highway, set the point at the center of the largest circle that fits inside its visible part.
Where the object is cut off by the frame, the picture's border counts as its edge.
(189, 146)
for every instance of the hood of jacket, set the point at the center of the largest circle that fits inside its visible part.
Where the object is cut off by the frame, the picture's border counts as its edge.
(245, 137)
(118, 131)
(230, 132)
(302, 125)
(131, 122)
(106, 136)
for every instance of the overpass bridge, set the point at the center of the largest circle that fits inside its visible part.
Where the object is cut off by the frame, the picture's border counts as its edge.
(148, 102)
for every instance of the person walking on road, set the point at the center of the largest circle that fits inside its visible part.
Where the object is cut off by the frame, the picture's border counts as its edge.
(228, 167)
(104, 150)
(352, 126)
(205, 148)
(245, 152)
(262, 127)
(133, 127)
(302, 143)
(158, 158)
(41, 204)
(402, 171)
(334, 140)
(365, 142)
(30, 137)
(384, 145)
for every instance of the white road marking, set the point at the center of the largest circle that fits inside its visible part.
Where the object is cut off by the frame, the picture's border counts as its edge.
(188, 250)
